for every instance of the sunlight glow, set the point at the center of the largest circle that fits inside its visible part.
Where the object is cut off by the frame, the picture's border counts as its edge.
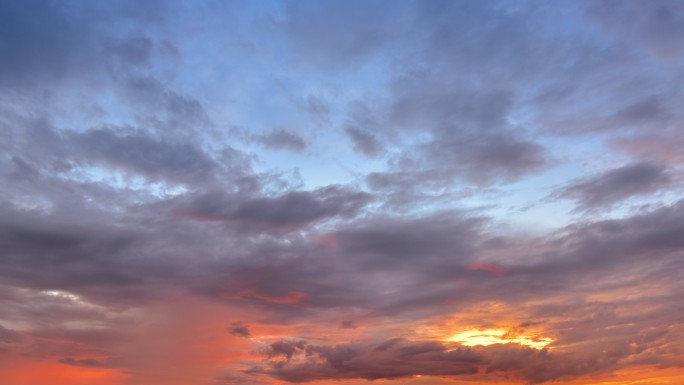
(475, 337)
(62, 294)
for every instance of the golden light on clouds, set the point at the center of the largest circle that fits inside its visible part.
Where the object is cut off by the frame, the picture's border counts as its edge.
(475, 337)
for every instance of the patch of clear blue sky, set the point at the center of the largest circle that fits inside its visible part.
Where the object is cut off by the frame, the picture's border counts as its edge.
(252, 83)
(232, 59)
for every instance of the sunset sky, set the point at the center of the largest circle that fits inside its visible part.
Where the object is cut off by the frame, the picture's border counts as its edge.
(341, 192)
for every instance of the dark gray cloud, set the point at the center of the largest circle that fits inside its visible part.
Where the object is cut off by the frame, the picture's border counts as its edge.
(239, 329)
(466, 136)
(144, 155)
(396, 358)
(348, 324)
(616, 185)
(37, 148)
(282, 140)
(291, 210)
(443, 235)
(285, 348)
(652, 109)
(385, 360)
(604, 339)
(655, 24)
(170, 113)
(471, 138)
(363, 128)
(85, 362)
(643, 234)
(8, 336)
(425, 259)
(364, 142)
(73, 253)
(418, 256)
(485, 159)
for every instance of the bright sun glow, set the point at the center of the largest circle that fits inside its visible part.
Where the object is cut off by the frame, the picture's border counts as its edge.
(61, 294)
(474, 337)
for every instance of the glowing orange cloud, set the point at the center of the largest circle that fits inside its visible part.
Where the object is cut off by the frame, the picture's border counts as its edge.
(474, 337)
(54, 373)
(489, 267)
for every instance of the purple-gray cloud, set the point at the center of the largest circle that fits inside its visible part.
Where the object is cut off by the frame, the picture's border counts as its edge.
(291, 210)
(387, 360)
(616, 185)
(239, 329)
(397, 358)
(364, 142)
(281, 139)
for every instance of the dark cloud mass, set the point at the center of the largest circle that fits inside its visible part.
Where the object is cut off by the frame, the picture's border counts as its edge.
(410, 192)
(281, 139)
(364, 142)
(292, 209)
(239, 329)
(143, 155)
(87, 362)
(616, 185)
(387, 360)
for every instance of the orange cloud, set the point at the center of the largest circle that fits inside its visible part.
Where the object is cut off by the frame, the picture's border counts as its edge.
(24, 372)
(489, 267)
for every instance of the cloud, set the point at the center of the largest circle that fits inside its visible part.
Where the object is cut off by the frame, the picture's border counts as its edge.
(285, 349)
(466, 135)
(387, 239)
(77, 254)
(616, 185)
(653, 24)
(240, 330)
(291, 210)
(397, 358)
(485, 159)
(85, 362)
(348, 324)
(605, 339)
(648, 232)
(8, 336)
(364, 142)
(44, 43)
(386, 360)
(362, 129)
(282, 140)
(661, 148)
(135, 230)
(144, 155)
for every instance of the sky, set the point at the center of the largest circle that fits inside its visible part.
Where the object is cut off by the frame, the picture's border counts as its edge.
(341, 192)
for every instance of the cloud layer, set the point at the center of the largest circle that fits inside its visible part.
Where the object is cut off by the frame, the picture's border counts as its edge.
(331, 191)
